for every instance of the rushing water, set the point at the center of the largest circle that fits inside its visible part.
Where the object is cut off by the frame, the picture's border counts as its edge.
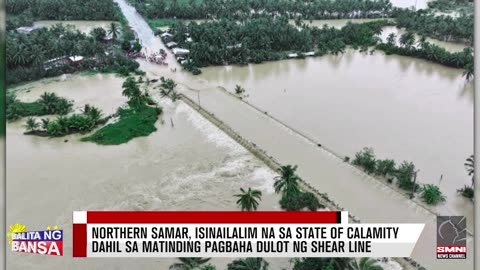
(360, 77)
(190, 166)
(82, 26)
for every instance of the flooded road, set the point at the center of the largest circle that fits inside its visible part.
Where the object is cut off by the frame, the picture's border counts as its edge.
(348, 186)
(190, 166)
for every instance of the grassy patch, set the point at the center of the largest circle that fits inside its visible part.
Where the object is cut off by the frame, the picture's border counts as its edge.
(134, 122)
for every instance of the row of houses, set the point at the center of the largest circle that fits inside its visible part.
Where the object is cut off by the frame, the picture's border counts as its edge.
(181, 54)
(62, 61)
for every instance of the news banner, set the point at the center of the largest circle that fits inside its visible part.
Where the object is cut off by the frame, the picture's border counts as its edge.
(236, 234)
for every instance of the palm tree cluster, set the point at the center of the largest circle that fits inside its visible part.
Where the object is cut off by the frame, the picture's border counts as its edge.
(207, 9)
(336, 264)
(64, 125)
(443, 27)
(428, 51)
(48, 103)
(293, 198)
(59, 10)
(265, 38)
(167, 88)
(189, 264)
(404, 174)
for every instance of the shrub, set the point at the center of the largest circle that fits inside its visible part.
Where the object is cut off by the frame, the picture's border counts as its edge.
(135, 121)
(346, 159)
(385, 167)
(366, 160)
(432, 195)
(300, 201)
(467, 192)
(405, 175)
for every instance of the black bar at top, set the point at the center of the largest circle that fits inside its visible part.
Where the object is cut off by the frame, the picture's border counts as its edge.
(339, 217)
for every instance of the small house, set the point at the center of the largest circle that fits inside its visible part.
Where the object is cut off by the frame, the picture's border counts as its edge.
(309, 54)
(292, 55)
(76, 60)
(171, 45)
(55, 62)
(179, 52)
(166, 37)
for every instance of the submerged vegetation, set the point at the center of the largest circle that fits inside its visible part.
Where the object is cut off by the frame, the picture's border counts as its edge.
(48, 52)
(336, 264)
(64, 125)
(137, 119)
(48, 103)
(293, 198)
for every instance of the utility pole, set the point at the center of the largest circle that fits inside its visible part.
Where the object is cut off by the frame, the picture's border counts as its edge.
(414, 183)
(440, 181)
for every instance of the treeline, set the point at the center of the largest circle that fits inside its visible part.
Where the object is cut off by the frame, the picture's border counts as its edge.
(443, 27)
(428, 51)
(24, 12)
(216, 9)
(448, 5)
(264, 39)
(48, 103)
(28, 54)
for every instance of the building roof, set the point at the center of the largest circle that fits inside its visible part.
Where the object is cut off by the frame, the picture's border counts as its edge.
(170, 44)
(166, 34)
(292, 55)
(27, 29)
(75, 58)
(180, 51)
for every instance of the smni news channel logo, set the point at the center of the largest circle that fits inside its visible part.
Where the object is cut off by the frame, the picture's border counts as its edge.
(451, 237)
(47, 242)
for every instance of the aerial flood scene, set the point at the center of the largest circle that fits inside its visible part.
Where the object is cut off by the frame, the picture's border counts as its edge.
(365, 105)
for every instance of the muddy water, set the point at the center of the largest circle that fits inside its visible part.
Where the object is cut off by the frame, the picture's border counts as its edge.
(82, 26)
(449, 46)
(348, 186)
(404, 108)
(190, 166)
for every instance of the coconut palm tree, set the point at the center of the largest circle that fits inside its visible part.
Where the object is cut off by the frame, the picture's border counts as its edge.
(189, 263)
(31, 124)
(391, 39)
(287, 182)
(48, 102)
(365, 264)
(45, 123)
(470, 167)
(248, 264)
(113, 31)
(248, 199)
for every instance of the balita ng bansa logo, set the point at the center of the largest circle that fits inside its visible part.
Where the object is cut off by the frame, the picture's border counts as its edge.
(47, 242)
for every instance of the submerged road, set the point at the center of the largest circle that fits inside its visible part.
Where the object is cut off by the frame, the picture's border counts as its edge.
(366, 198)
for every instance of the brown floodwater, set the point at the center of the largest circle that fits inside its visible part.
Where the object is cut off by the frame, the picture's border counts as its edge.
(359, 79)
(82, 26)
(190, 166)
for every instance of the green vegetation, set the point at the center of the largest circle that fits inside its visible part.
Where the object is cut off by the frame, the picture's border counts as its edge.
(248, 264)
(264, 38)
(470, 167)
(441, 27)
(239, 90)
(234, 9)
(432, 195)
(48, 103)
(430, 52)
(467, 192)
(25, 12)
(45, 52)
(405, 174)
(64, 125)
(136, 120)
(336, 264)
(451, 5)
(248, 200)
(167, 88)
(366, 160)
(189, 263)
(293, 199)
